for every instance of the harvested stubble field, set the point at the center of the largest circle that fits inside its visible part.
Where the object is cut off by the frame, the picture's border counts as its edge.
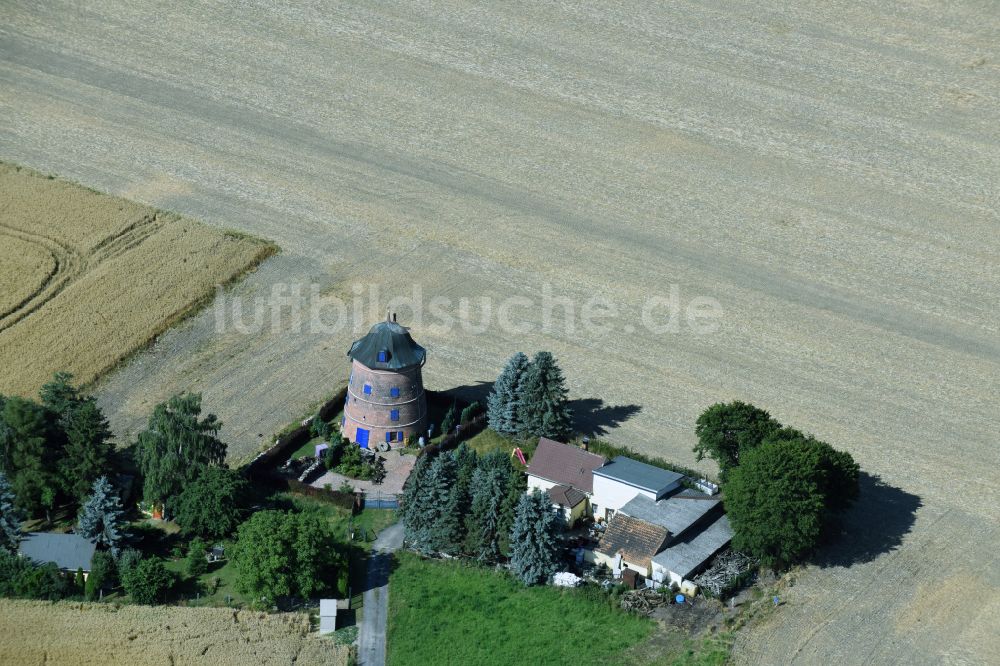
(826, 170)
(87, 278)
(39, 632)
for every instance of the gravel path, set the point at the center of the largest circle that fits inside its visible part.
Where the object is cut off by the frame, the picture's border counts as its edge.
(827, 171)
(371, 638)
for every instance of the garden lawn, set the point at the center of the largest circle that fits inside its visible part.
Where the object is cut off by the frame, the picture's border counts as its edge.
(489, 440)
(457, 613)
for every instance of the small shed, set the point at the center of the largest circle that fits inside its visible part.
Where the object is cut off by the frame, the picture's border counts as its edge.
(327, 616)
(320, 448)
(216, 554)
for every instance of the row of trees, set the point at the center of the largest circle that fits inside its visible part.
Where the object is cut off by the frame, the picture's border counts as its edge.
(462, 504)
(52, 451)
(530, 398)
(783, 488)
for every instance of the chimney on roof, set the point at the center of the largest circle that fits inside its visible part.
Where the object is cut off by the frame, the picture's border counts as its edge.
(585, 443)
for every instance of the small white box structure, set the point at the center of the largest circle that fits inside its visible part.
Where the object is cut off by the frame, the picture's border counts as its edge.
(327, 616)
(706, 486)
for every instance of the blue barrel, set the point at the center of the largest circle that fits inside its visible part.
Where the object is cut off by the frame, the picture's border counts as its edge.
(679, 598)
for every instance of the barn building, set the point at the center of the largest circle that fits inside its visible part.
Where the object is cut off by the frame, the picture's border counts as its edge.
(385, 394)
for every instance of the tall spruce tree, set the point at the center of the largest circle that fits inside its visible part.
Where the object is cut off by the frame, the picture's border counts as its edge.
(490, 485)
(101, 517)
(176, 446)
(59, 395)
(535, 539)
(542, 408)
(501, 405)
(466, 463)
(88, 447)
(413, 509)
(10, 518)
(33, 449)
(517, 484)
(443, 532)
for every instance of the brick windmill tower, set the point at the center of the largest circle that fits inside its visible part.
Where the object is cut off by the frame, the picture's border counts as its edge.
(385, 395)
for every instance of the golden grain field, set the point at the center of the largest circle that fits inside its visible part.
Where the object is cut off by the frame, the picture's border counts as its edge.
(87, 278)
(41, 632)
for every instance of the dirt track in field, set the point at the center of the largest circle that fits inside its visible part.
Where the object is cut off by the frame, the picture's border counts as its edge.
(828, 174)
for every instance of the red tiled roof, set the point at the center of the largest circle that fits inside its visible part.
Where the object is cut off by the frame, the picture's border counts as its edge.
(565, 464)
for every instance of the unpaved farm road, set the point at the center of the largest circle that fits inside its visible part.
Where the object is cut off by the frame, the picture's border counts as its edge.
(371, 638)
(828, 173)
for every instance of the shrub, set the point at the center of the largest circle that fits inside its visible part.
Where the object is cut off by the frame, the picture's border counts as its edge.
(470, 412)
(197, 564)
(19, 577)
(148, 582)
(102, 575)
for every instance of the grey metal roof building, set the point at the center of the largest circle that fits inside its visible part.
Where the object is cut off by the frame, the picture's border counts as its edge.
(639, 474)
(68, 551)
(687, 556)
(388, 346)
(676, 513)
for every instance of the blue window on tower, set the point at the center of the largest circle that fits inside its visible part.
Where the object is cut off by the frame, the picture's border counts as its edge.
(388, 436)
(399, 435)
(394, 415)
(383, 356)
(394, 392)
(368, 389)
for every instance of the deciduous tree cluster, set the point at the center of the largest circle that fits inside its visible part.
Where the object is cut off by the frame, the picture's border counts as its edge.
(783, 489)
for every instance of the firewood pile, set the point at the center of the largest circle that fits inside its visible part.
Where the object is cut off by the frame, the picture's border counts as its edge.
(644, 601)
(726, 569)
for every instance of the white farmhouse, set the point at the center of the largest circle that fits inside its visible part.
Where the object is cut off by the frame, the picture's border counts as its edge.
(616, 483)
(566, 473)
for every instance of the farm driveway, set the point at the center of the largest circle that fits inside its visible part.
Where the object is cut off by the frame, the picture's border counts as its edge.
(371, 638)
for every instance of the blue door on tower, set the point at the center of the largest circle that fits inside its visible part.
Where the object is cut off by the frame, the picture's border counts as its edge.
(362, 438)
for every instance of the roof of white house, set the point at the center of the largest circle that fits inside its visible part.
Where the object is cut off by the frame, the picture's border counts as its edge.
(676, 513)
(68, 551)
(567, 496)
(639, 474)
(565, 464)
(687, 556)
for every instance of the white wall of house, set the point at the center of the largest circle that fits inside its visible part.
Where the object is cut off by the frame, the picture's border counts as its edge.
(576, 513)
(609, 562)
(613, 495)
(538, 482)
(661, 575)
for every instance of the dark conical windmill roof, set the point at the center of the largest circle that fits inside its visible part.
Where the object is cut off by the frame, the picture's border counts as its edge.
(390, 337)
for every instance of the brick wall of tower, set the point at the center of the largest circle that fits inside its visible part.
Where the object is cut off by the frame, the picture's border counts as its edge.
(373, 411)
